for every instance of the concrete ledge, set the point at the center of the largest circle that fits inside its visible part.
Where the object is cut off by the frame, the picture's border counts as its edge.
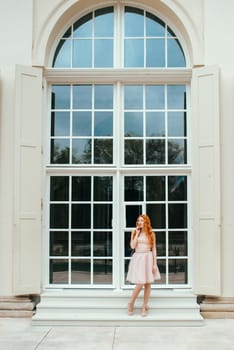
(219, 308)
(16, 306)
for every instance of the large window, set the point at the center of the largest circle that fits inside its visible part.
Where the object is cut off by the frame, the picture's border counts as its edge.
(119, 146)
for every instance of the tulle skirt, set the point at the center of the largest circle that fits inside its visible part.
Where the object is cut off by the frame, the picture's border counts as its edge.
(140, 268)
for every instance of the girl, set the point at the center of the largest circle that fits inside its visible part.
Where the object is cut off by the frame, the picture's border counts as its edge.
(143, 269)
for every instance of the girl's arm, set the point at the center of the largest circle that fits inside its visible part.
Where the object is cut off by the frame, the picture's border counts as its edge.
(134, 237)
(154, 253)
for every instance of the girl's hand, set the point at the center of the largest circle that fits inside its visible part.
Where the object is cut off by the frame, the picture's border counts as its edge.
(154, 269)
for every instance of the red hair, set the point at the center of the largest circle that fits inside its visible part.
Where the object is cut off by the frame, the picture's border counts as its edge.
(147, 229)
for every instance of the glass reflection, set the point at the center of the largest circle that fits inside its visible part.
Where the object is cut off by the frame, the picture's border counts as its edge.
(100, 59)
(58, 271)
(59, 188)
(80, 271)
(161, 243)
(154, 26)
(103, 151)
(103, 96)
(82, 96)
(133, 188)
(177, 124)
(134, 22)
(133, 97)
(81, 151)
(62, 56)
(104, 22)
(60, 151)
(177, 151)
(127, 248)
(103, 188)
(155, 188)
(81, 123)
(60, 97)
(155, 53)
(157, 213)
(178, 243)
(83, 27)
(102, 271)
(175, 54)
(59, 216)
(134, 53)
(155, 96)
(177, 215)
(82, 53)
(58, 243)
(81, 243)
(132, 213)
(133, 124)
(176, 96)
(155, 124)
(178, 271)
(102, 244)
(177, 188)
(133, 151)
(102, 216)
(103, 123)
(81, 188)
(155, 151)
(60, 124)
(81, 216)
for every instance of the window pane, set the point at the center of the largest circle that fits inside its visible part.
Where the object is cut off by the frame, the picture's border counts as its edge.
(62, 56)
(80, 243)
(133, 124)
(82, 96)
(59, 216)
(133, 97)
(102, 270)
(132, 213)
(155, 188)
(177, 124)
(60, 124)
(155, 53)
(81, 216)
(81, 123)
(155, 151)
(83, 27)
(81, 151)
(157, 215)
(103, 124)
(58, 243)
(176, 96)
(133, 188)
(60, 97)
(161, 243)
(162, 268)
(58, 271)
(59, 188)
(127, 248)
(177, 188)
(60, 149)
(155, 97)
(133, 152)
(103, 188)
(134, 53)
(177, 215)
(102, 46)
(177, 151)
(178, 244)
(154, 26)
(103, 151)
(178, 271)
(82, 53)
(80, 271)
(103, 96)
(81, 188)
(155, 124)
(102, 244)
(175, 54)
(104, 22)
(134, 22)
(102, 215)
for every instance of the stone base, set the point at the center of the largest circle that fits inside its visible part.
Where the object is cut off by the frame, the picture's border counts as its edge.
(217, 308)
(17, 306)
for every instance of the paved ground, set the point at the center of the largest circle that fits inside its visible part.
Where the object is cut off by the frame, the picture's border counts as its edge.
(19, 334)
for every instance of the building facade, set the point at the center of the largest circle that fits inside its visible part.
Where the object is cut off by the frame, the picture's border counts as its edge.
(110, 109)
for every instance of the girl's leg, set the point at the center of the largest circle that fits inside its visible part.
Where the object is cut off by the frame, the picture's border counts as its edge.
(134, 296)
(147, 290)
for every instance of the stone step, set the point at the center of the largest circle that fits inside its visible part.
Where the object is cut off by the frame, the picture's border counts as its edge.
(217, 308)
(16, 307)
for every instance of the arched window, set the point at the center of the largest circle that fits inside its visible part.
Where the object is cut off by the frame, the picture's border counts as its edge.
(119, 146)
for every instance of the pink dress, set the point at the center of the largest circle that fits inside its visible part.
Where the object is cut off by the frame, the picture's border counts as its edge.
(141, 263)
